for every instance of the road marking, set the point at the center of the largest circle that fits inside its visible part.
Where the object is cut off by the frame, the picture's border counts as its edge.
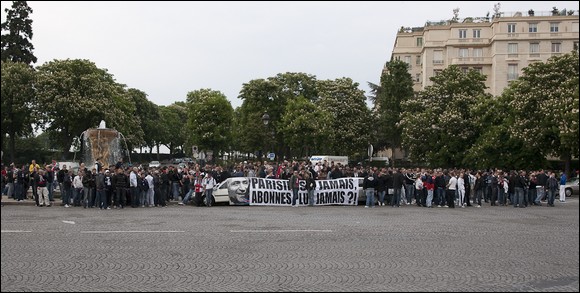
(105, 232)
(14, 231)
(278, 231)
(69, 222)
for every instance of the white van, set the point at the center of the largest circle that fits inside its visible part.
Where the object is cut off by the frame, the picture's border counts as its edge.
(343, 160)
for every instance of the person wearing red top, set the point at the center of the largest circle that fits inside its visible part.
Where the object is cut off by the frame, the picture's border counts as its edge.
(429, 184)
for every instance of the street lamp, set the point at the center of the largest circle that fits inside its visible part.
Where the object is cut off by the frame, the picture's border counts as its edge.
(266, 119)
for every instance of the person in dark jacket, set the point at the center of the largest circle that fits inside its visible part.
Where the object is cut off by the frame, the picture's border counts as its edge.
(398, 181)
(120, 182)
(370, 184)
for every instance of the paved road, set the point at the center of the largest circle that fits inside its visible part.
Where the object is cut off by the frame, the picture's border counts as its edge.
(227, 248)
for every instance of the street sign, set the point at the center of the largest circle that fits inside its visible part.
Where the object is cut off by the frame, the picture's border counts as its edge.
(271, 156)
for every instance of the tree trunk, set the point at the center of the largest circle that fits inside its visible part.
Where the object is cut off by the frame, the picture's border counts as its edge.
(12, 147)
(157, 145)
(567, 161)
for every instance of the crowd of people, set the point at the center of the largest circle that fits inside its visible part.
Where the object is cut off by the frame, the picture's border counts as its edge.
(119, 186)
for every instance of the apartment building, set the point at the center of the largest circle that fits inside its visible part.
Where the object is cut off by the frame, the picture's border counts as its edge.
(499, 46)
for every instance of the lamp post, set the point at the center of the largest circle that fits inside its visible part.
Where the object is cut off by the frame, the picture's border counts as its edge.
(266, 120)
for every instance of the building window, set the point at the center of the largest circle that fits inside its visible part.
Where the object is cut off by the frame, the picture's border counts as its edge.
(465, 70)
(511, 28)
(419, 42)
(408, 61)
(512, 72)
(462, 34)
(556, 48)
(512, 50)
(463, 53)
(437, 72)
(576, 46)
(575, 27)
(418, 77)
(476, 34)
(418, 60)
(554, 27)
(478, 69)
(478, 53)
(438, 57)
(533, 28)
(534, 49)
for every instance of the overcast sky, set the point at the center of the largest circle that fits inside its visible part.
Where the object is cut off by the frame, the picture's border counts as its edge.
(168, 49)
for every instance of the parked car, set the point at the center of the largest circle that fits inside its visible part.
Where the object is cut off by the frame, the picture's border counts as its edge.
(221, 191)
(571, 187)
(154, 164)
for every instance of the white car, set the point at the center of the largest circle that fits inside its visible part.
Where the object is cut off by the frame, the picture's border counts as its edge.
(154, 164)
(220, 193)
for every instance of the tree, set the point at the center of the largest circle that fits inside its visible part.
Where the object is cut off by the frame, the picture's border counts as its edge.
(74, 95)
(173, 119)
(350, 119)
(210, 120)
(148, 114)
(259, 96)
(18, 96)
(396, 86)
(270, 96)
(437, 126)
(544, 101)
(303, 127)
(16, 45)
(495, 147)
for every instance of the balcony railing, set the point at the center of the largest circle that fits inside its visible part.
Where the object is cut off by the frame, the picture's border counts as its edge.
(471, 61)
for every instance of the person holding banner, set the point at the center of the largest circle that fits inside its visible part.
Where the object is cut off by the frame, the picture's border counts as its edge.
(310, 186)
(295, 186)
(370, 183)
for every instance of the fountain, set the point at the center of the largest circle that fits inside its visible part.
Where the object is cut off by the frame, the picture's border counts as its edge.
(103, 143)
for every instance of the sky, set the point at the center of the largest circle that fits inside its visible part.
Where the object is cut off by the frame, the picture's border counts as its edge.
(167, 49)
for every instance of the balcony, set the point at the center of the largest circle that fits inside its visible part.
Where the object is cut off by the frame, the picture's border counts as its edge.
(471, 61)
(468, 42)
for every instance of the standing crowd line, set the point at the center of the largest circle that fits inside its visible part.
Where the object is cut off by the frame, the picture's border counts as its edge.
(119, 186)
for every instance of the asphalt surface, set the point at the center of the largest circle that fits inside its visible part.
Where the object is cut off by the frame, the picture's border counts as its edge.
(330, 248)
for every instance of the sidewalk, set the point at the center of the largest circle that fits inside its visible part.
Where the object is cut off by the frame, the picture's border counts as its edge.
(10, 201)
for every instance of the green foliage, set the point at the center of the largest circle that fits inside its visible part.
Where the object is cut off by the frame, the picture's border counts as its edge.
(396, 87)
(17, 97)
(350, 120)
(16, 45)
(148, 114)
(495, 147)
(270, 96)
(74, 95)
(172, 130)
(210, 120)
(304, 127)
(437, 125)
(544, 102)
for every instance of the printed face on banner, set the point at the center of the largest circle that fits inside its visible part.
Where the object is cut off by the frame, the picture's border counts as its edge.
(238, 190)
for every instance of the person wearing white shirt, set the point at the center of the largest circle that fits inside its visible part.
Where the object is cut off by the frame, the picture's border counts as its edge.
(451, 190)
(151, 191)
(208, 184)
(461, 190)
